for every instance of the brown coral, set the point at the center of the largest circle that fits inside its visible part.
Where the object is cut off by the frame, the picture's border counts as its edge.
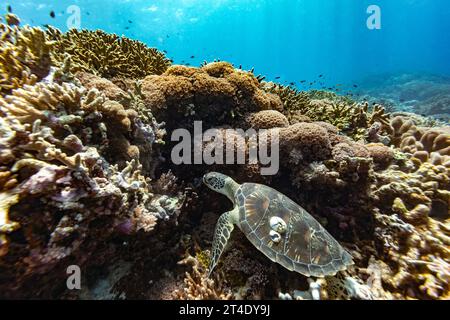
(310, 140)
(24, 56)
(106, 55)
(267, 119)
(198, 286)
(381, 155)
(215, 92)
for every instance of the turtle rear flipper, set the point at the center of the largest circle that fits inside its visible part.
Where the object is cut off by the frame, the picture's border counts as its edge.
(224, 227)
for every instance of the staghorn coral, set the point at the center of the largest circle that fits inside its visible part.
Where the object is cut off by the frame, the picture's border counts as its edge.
(106, 55)
(24, 56)
(350, 117)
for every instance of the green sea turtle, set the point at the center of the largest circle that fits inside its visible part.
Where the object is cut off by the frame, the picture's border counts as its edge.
(285, 233)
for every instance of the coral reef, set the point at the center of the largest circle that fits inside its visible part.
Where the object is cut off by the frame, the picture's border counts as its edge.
(85, 125)
(352, 118)
(65, 188)
(421, 94)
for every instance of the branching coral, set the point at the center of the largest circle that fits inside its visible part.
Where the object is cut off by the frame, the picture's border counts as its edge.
(352, 118)
(60, 195)
(24, 56)
(198, 286)
(106, 55)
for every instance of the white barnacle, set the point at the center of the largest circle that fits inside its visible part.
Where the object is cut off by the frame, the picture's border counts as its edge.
(275, 236)
(278, 225)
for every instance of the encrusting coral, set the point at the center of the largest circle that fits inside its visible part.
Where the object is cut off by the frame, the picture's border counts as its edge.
(412, 218)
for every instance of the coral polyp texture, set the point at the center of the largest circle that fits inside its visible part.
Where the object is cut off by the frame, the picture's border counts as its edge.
(86, 176)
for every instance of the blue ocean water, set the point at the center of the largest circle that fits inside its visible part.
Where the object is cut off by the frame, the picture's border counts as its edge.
(291, 39)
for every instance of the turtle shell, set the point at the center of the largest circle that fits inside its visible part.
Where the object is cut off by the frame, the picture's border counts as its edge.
(303, 245)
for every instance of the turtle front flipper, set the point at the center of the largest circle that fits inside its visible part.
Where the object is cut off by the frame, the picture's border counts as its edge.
(224, 227)
(344, 287)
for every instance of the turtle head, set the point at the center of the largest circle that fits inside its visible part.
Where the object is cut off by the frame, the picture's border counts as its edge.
(220, 183)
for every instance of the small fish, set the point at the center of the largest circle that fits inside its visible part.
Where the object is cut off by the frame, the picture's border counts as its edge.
(192, 57)
(167, 36)
(292, 83)
(330, 89)
(129, 21)
(9, 9)
(46, 26)
(52, 14)
(88, 13)
(355, 86)
(320, 75)
(165, 51)
(126, 28)
(311, 83)
(277, 78)
(303, 81)
(188, 64)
